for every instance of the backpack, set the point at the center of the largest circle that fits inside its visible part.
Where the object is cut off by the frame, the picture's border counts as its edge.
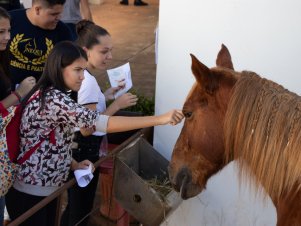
(10, 148)
(13, 136)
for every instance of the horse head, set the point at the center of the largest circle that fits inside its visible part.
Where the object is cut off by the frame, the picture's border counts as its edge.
(199, 150)
(240, 116)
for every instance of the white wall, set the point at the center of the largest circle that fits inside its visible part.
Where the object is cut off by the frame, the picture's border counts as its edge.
(262, 36)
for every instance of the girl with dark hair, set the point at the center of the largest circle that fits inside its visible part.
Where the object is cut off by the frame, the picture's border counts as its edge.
(53, 107)
(96, 41)
(7, 98)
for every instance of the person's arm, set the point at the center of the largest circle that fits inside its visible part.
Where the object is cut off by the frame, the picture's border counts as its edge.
(81, 165)
(121, 123)
(25, 86)
(79, 116)
(88, 131)
(11, 99)
(85, 10)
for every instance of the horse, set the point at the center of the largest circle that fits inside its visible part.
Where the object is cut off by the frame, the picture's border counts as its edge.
(241, 116)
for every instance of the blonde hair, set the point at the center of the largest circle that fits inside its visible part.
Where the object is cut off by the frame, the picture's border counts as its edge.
(263, 133)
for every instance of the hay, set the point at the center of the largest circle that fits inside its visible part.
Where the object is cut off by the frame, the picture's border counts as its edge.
(162, 187)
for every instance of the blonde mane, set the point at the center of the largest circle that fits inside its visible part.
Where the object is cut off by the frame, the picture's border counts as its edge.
(263, 133)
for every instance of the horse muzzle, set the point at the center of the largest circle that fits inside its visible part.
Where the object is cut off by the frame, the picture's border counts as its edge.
(182, 183)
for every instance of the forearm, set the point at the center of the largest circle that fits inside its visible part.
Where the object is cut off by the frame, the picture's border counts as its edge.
(10, 100)
(111, 109)
(113, 124)
(74, 165)
(121, 123)
(88, 131)
(85, 10)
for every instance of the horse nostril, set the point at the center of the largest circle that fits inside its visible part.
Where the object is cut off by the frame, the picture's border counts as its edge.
(183, 178)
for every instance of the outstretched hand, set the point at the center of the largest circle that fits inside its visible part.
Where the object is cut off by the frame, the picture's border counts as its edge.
(172, 117)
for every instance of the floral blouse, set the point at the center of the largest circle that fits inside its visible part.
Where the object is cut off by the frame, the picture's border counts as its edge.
(7, 168)
(5, 117)
(49, 165)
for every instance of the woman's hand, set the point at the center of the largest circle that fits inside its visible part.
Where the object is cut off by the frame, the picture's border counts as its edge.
(81, 165)
(87, 131)
(25, 86)
(172, 117)
(110, 92)
(126, 100)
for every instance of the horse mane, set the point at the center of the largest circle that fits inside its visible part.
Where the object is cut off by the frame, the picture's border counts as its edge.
(263, 133)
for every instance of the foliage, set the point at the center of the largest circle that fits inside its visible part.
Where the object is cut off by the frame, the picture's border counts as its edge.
(145, 105)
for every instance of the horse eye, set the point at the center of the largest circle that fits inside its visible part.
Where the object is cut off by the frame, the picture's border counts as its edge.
(188, 114)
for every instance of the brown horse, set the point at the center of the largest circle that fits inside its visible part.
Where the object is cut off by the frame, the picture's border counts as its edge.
(240, 116)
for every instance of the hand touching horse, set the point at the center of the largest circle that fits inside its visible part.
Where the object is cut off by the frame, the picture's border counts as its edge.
(240, 116)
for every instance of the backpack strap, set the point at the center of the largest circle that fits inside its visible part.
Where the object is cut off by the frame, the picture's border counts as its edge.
(34, 148)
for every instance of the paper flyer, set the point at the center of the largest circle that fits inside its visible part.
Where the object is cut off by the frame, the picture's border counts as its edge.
(121, 77)
(83, 176)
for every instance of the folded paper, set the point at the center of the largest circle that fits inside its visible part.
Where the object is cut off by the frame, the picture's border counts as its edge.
(83, 176)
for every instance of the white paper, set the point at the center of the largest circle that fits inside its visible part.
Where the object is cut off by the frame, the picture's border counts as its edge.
(83, 176)
(121, 76)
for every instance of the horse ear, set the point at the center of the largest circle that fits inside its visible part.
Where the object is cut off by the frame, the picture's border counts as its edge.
(202, 74)
(224, 58)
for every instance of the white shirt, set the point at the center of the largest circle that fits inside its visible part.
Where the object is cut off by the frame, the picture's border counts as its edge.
(90, 93)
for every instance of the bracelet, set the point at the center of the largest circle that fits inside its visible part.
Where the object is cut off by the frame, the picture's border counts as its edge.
(17, 95)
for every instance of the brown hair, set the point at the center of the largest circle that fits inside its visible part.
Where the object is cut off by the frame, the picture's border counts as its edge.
(88, 33)
(62, 55)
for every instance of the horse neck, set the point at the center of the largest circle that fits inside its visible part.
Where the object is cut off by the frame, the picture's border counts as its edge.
(262, 127)
(288, 208)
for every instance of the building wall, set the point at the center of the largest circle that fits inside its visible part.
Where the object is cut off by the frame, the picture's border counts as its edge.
(262, 36)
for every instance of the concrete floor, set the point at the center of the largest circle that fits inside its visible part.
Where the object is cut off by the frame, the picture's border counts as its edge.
(132, 30)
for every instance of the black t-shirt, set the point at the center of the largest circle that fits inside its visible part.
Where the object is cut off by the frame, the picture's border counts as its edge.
(10, 4)
(30, 45)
